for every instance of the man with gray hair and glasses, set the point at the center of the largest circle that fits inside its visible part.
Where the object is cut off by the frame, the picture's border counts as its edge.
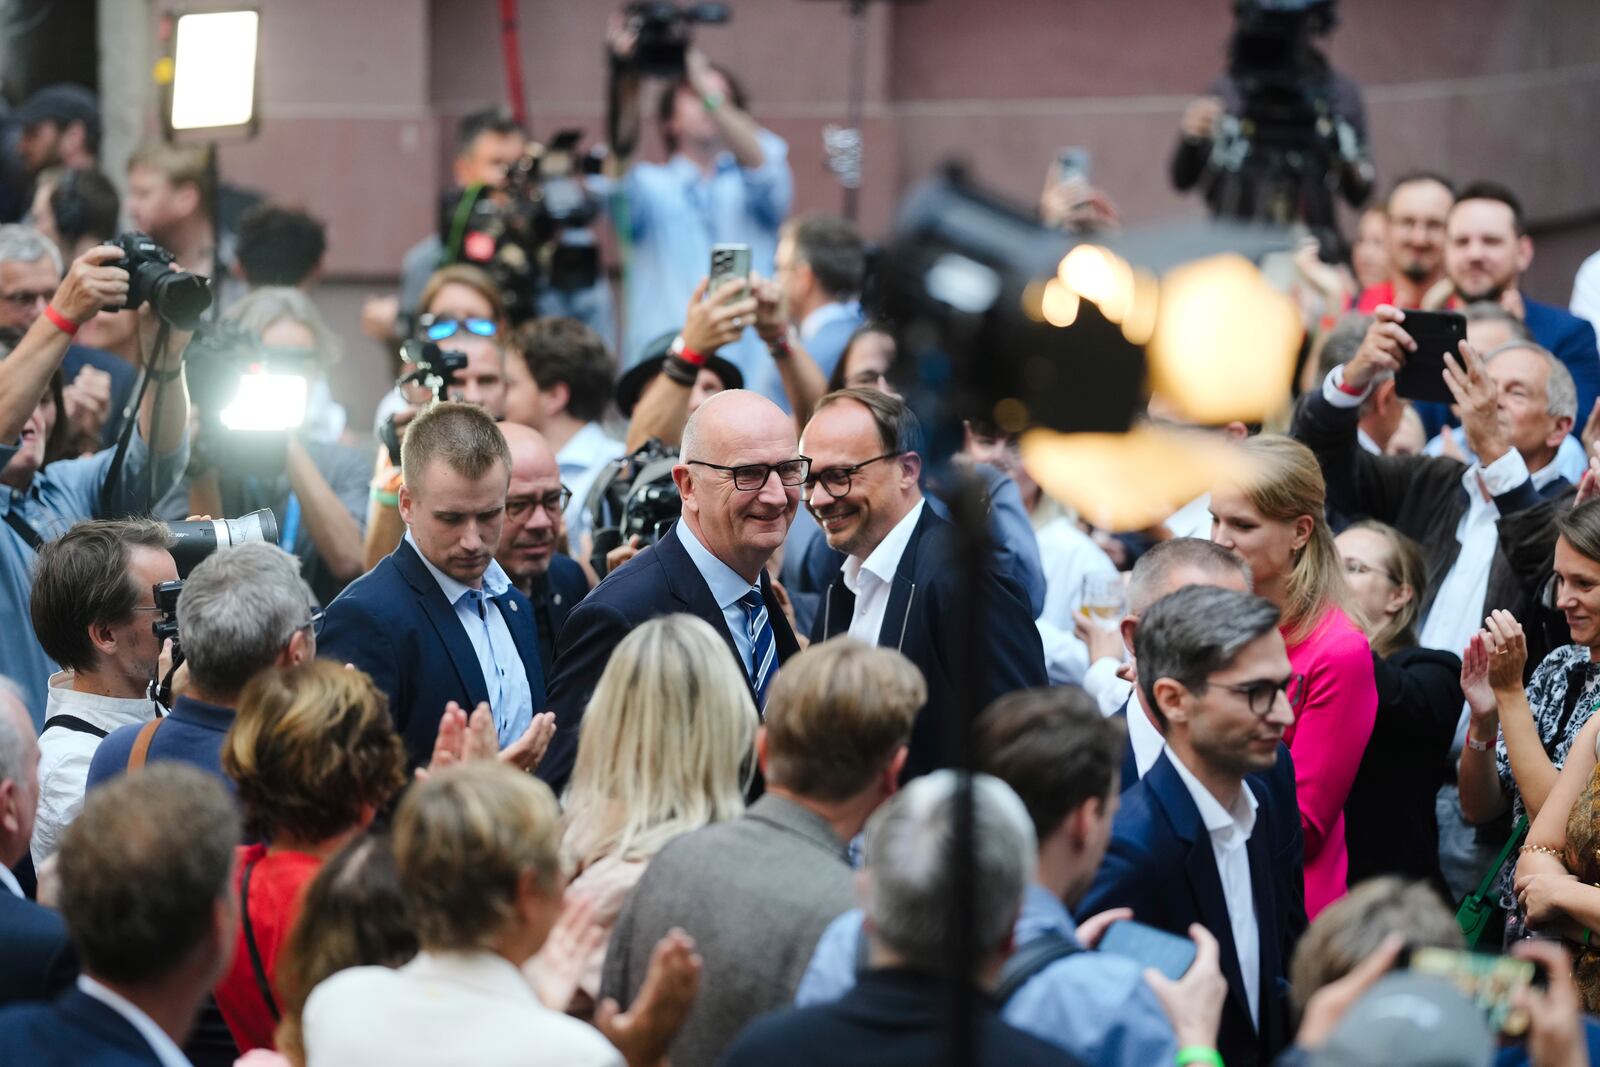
(242, 611)
(1192, 843)
(898, 1011)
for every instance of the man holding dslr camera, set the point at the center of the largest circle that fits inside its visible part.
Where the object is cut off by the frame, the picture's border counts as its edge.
(39, 503)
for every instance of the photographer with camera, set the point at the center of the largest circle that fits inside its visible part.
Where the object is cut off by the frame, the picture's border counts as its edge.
(316, 487)
(1280, 131)
(93, 605)
(462, 313)
(727, 178)
(41, 503)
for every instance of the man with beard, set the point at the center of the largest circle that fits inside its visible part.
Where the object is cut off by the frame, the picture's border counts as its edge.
(1487, 250)
(534, 531)
(1418, 206)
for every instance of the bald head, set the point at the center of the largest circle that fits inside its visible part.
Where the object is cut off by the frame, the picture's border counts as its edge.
(531, 454)
(19, 774)
(534, 523)
(729, 417)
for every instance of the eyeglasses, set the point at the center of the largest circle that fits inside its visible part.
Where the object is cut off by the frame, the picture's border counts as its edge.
(1356, 567)
(753, 476)
(554, 503)
(314, 624)
(1261, 694)
(22, 298)
(836, 480)
(437, 328)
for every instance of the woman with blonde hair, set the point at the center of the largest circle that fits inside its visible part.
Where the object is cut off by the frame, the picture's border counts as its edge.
(314, 756)
(1273, 518)
(665, 748)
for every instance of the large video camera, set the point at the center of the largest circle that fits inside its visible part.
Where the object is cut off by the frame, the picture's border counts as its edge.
(434, 369)
(663, 30)
(534, 234)
(176, 295)
(1288, 142)
(634, 496)
(249, 397)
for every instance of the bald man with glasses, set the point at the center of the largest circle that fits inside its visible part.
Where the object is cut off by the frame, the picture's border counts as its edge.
(740, 474)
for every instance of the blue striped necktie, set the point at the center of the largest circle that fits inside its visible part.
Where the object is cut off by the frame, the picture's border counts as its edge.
(763, 647)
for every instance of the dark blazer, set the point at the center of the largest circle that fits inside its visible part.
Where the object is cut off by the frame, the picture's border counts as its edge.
(661, 580)
(554, 594)
(1160, 864)
(39, 962)
(1289, 846)
(1571, 340)
(74, 1030)
(923, 620)
(890, 1018)
(395, 623)
(1390, 823)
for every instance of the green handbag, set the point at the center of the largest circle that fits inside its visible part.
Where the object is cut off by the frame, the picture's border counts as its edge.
(1477, 908)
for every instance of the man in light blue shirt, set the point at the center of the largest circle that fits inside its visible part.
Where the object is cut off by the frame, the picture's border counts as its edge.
(1061, 756)
(39, 503)
(819, 266)
(727, 181)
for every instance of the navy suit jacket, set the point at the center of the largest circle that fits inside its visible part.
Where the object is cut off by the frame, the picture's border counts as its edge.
(661, 580)
(38, 957)
(1572, 341)
(74, 1030)
(923, 621)
(395, 623)
(1160, 864)
(553, 596)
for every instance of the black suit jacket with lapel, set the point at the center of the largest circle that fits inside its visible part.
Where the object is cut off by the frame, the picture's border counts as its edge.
(395, 623)
(923, 621)
(661, 580)
(1160, 863)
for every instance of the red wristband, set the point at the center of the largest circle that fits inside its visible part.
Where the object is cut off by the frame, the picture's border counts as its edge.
(687, 354)
(60, 321)
(1348, 389)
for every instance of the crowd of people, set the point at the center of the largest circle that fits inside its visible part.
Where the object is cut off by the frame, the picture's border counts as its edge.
(470, 762)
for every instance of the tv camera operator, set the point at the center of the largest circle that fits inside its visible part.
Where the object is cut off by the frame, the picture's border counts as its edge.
(1281, 132)
(521, 211)
(39, 503)
(727, 179)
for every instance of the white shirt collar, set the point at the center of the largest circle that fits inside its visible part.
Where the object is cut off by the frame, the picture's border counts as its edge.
(9, 881)
(590, 446)
(485, 971)
(826, 314)
(1227, 827)
(1147, 741)
(495, 580)
(108, 713)
(1364, 439)
(164, 1047)
(883, 561)
(727, 585)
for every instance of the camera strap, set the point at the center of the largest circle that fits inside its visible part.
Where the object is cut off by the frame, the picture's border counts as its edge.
(256, 965)
(24, 530)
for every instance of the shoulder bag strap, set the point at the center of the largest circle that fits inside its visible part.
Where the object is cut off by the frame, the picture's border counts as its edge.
(72, 722)
(250, 942)
(1029, 960)
(24, 530)
(141, 744)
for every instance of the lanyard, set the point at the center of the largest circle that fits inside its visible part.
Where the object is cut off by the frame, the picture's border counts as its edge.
(289, 532)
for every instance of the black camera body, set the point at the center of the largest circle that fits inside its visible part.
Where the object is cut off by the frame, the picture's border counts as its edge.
(177, 296)
(663, 30)
(634, 496)
(435, 369)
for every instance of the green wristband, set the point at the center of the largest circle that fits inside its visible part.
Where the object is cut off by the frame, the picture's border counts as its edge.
(1199, 1054)
(388, 500)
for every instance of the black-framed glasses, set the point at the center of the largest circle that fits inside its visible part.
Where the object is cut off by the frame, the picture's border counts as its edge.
(1355, 568)
(751, 477)
(439, 327)
(22, 298)
(836, 480)
(1261, 694)
(554, 503)
(314, 624)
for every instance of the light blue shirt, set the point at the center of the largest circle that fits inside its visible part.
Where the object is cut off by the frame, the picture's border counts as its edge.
(580, 460)
(504, 674)
(674, 214)
(825, 331)
(1095, 1006)
(726, 585)
(62, 494)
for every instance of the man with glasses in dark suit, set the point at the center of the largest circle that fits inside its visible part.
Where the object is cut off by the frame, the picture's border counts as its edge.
(739, 475)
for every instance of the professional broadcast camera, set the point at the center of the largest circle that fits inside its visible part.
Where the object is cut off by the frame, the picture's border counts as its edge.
(663, 33)
(249, 397)
(535, 233)
(634, 496)
(176, 295)
(1288, 148)
(434, 369)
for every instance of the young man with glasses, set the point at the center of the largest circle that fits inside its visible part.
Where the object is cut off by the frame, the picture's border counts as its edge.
(739, 476)
(899, 584)
(1195, 841)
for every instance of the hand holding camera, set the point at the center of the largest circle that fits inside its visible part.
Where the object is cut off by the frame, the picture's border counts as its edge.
(93, 281)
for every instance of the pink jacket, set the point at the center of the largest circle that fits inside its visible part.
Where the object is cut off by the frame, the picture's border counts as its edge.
(1327, 741)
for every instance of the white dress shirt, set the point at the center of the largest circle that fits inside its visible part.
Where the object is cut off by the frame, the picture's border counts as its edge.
(1066, 554)
(580, 460)
(166, 1050)
(871, 579)
(1147, 742)
(1101, 682)
(444, 1007)
(505, 676)
(1230, 833)
(9, 882)
(727, 587)
(64, 755)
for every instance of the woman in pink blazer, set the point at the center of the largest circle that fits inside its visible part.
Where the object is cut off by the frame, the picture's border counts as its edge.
(1274, 520)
